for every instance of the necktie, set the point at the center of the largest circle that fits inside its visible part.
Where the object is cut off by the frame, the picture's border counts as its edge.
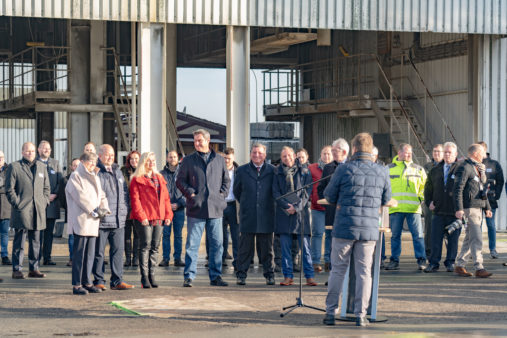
(446, 172)
(258, 171)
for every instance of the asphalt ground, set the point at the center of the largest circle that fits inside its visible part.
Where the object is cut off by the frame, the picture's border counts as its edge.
(415, 304)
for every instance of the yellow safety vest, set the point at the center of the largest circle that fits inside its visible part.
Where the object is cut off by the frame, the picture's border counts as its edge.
(407, 186)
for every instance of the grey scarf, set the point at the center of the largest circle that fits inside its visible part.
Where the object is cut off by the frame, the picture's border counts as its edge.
(289, 175)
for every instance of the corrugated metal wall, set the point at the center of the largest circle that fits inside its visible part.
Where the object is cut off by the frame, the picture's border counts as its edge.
(13, 133)
(451, 16)
(493, 106)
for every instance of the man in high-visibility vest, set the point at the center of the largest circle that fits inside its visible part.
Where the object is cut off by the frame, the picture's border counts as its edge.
(407, 186)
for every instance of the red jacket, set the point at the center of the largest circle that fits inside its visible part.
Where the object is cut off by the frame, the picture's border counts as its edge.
(144, 200)
(316, 175)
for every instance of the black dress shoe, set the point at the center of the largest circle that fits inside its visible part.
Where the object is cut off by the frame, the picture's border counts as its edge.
(431, 268)
(361, 321)
(18, 275)
(92, 289)
(329, 320)
(187, 283)
(218, 282)
(241, 281)
(79, 291)
(49, 262)
(270, 280)
(179, 262)
(224, 263)
(153, 282)
(6, 261)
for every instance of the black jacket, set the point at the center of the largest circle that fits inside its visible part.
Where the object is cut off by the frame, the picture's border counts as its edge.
(495, 179)
(291, 224)
(5, 206)
(441, 195)
(55, 179)
(28, 194)
(329, 169)
(174, 193)
(255, 196)
(117, 195)
(208, 181)
(467, 188)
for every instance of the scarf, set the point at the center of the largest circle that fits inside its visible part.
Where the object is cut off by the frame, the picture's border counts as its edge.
(289, 175)
(481, 168)
(321, 164)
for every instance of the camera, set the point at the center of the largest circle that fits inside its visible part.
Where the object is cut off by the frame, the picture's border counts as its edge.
(457, 224)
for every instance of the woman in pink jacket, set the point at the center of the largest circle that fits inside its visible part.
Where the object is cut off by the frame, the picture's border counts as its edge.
(86, 204)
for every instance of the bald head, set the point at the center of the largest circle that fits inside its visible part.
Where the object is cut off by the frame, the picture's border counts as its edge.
(106, 155)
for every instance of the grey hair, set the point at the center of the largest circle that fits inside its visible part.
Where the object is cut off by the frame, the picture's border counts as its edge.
(452, 145)
(202, 132)
(342, 144)
(103, 147)
(88, 157)
(374, 151)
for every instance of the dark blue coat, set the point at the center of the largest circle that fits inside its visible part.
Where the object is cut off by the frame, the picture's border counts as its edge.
(255, 196)
(208, 181)
(174, 193)
(290, 224)
(55, 179)
(117, 195)
(359, 187)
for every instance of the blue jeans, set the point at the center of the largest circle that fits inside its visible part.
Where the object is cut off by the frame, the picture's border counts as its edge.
(70, 241)
(490, 222)
(195, 228)
(415, 226)
(287, 263)
(318, 228)
(177, 224)
(4, 236)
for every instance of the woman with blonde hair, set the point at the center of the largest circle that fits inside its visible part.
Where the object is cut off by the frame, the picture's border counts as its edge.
(151, 209)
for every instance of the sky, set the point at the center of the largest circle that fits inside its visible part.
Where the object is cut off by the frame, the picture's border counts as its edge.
(202, 91)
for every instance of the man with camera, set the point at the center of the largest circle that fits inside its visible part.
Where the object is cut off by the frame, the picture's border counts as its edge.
(470, 199)
(438, 199)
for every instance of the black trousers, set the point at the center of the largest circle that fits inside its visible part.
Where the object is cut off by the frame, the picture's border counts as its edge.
(149, 242)
(47, 239)
(131, 245)
(247, 244)
(82, 259)
(18, 249)
(115, 238)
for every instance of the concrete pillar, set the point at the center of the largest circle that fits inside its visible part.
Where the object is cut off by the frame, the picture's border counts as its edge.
(152, 117)
(170, 84)
(97, 78)
(78, 123)
(238, 83)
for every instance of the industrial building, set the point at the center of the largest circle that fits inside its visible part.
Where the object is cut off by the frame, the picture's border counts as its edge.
(419, 71)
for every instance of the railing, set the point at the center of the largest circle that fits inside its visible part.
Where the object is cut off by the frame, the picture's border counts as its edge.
(41, 68)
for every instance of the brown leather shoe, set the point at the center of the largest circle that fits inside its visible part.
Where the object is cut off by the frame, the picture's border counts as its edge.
(122, 286)
(317, 268)
(101, 286)
(460, 271)
(482, 273)
(36, 274)
(311, 282)
(17, 275)
(287, 281)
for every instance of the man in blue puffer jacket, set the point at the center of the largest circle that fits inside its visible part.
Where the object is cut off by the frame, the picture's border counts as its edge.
(359, 188)
(112, 226)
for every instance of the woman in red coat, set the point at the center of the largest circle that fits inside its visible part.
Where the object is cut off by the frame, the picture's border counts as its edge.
(151, 209)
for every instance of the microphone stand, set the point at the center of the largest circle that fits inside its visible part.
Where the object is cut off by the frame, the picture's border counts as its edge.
(299, 299)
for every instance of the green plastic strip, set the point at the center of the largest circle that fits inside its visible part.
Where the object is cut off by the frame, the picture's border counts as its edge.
(119, 306)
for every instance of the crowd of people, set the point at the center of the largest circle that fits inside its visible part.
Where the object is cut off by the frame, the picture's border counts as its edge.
(276, 212)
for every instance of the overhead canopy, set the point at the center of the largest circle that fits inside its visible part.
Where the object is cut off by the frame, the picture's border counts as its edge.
(449, 16)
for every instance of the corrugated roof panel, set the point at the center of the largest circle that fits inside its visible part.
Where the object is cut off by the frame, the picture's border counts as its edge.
(451, 16)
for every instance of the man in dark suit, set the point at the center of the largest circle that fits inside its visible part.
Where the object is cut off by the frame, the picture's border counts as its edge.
(53, 209)
(204, 181)
(253, 189)
(27, 188)
(438, 199)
